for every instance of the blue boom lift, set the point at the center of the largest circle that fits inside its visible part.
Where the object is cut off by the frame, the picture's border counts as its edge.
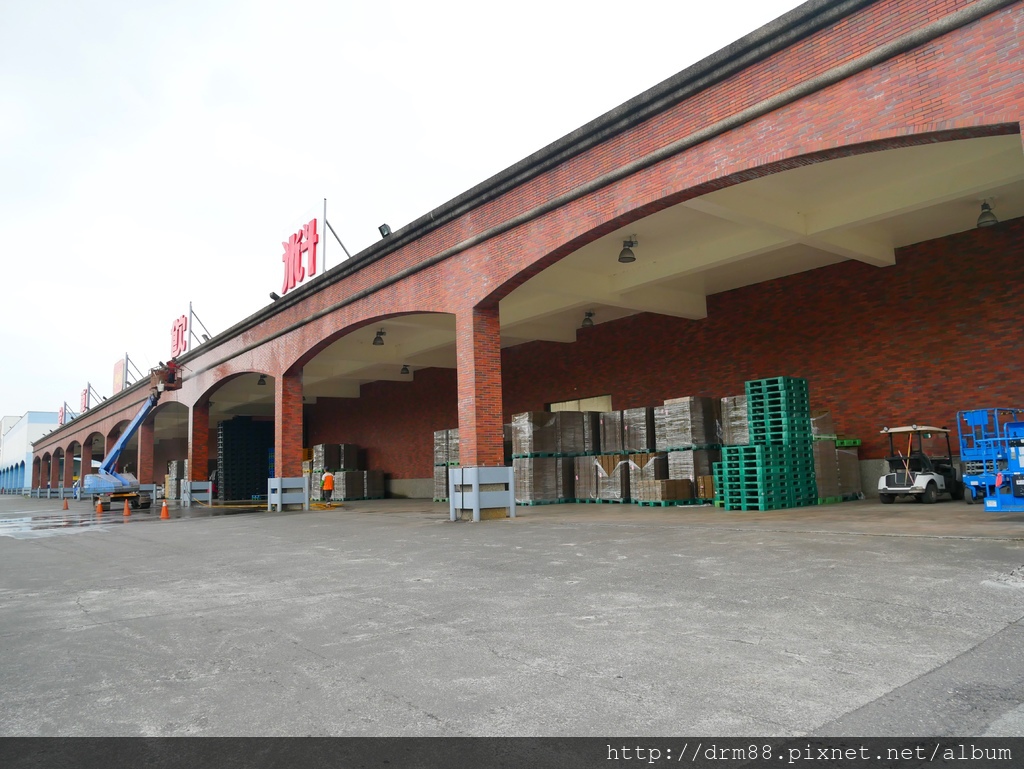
(107, 485)
(992, 454)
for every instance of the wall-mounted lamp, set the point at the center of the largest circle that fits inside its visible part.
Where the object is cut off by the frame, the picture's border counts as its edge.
(262, 380)
(405, 369)
(379, 339)
(626, 255)
(986, 218)
(588, 319)
(384, 230)
(274, 296)
(206, 337)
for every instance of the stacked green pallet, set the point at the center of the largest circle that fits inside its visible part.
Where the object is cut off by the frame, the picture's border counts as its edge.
(777, 470)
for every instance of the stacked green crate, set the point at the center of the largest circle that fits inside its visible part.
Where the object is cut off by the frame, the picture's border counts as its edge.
(777, 470)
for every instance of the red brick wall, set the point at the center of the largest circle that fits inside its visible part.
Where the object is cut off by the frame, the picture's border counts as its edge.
(916, 342)
(393, 421)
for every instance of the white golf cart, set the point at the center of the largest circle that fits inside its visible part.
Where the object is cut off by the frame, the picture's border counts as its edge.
(925, 470)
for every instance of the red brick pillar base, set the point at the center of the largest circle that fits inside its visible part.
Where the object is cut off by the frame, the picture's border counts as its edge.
(478, 347)
(198, 441)
(144, 464)
(288, 426)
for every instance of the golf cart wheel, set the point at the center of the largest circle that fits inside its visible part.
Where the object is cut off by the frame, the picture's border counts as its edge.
(886, 499)
(958, 490)
(930, 495)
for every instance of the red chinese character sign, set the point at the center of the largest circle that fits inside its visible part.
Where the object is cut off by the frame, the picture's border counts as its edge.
(85, 399)
(302, 242)
(61, 415)
(179, 336)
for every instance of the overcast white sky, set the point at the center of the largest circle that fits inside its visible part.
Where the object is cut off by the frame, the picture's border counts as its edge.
(157, 153)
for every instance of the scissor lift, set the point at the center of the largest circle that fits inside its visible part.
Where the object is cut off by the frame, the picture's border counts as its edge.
(992, 455)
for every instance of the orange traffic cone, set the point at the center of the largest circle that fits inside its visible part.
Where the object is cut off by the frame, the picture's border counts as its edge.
(127, 510)
(65, 504)
(164, 513)
(99, 507)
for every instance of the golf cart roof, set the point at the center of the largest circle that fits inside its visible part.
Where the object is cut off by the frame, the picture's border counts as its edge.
(914, 429)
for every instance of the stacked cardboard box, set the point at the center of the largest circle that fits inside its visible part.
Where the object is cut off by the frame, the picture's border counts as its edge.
(335, 456)
(612, 477)
(446, 454)
(638, 429)
(348, 484)
(534, 432)
(373, 484)
(735, 427)
(544, 479)
(585, 477)
(453, 446)
(849, 472)
(440, 483)
(826, 469)
(591, 432)
(176, 473)
(646, 472)
(611, 432)
(684, 423)
(440, 448)
(693, 463)
(706, 487)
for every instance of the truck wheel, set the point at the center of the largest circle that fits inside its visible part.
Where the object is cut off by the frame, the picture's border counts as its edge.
(886, 499)
(931, 493)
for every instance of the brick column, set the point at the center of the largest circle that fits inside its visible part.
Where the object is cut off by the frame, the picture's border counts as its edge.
(288, 426)
(69, 468)
(54, 472)
(144, 462)
(86, 463)
(478, 347)
(198, 441)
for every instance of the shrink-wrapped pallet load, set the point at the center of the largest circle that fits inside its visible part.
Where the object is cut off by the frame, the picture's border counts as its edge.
(611, 432)
(735, 427)
(687, 422)
(612, 477)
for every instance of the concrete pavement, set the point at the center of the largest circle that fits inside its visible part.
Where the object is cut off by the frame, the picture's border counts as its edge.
(383, 618)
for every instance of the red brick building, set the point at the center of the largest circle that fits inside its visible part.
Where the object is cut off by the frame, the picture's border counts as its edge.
(804, 203)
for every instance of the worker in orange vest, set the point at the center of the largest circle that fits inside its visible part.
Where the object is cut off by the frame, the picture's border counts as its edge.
(327, 485)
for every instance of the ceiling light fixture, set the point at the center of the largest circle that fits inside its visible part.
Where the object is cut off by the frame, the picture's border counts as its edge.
(262, 380)
(986, 218)
(379, 339)
(405, 369)
(626, 255)
(588, 319)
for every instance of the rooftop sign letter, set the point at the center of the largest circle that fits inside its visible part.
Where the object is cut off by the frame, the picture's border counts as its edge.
(179, 336)
(302, 242)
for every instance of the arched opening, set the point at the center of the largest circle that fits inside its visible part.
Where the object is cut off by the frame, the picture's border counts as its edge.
(169, 423)
(380, 397)
(240, 437)
(93, 451)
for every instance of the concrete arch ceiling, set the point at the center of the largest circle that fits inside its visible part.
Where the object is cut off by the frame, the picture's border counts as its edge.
(860, 207)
